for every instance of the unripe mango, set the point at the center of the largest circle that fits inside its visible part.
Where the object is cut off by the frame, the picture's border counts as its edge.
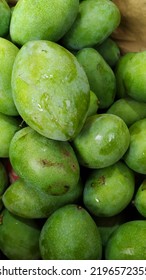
(140, 198)
(134, 77)
(109, 51)
(127, 242)
(109, 190)
(70, 233)
(93, 104)
(19, 238)
(95, 21)
(128, 109)
(49, 165)
(103, 140)
(50, 89)
(135, 156)
(47, 20)
(120, 72)
(27, 201)
(100, 75)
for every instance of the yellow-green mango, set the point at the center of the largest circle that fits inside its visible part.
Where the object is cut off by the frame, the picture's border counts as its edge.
(47, 20)
(50, 89)
(95, 21)
(103, 141)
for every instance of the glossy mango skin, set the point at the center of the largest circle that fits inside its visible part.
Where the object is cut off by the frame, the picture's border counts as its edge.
(5, 16)
(19, 238)
(95, 21)
(50, 89)
(102, 142)
(128, 109)
(109, 190)
(50, 165)
(100, 75)
(42, 20)
(70, 233)
(25, 200)
(127, 242)
(135, 156)
(8, 52)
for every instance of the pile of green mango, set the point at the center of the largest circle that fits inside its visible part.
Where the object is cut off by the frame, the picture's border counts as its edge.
(73, 130)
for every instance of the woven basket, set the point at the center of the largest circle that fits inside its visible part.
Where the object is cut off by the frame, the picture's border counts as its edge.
(131, 33)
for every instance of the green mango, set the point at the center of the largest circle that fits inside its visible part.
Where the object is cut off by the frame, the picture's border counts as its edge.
(5, 17)
(9, 125)
(127, 242)
(109, 190)
(135, 156)
(134, 77)
(109, 51)
(119, 72)
(26, 201)
(43, 20)
(50, 89)
(102, 142)
(8, 52)
(140, 199)
(100, 76)
(93, 104)
(50, 165)
(95, 21)
(128, 109)
(19, 238)
(70, 233)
